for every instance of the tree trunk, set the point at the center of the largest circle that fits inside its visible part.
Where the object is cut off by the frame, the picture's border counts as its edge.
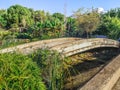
(87, 35)
(90, 34)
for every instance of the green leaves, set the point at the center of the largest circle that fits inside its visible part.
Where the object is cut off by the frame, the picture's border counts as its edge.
(114, 28)
(3, 21)
(52, 66)
(71, 27)
(110, 26)
(21, 16)
(18, 72)
(87, 21)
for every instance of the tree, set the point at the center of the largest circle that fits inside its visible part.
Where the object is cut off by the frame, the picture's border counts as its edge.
(112, 27)
(113, 13)
(110, 24)
(3, 21)
(62, 18)
(59, 16)
(39, 16)
(71, 28)
(18, 16)
(88, 21)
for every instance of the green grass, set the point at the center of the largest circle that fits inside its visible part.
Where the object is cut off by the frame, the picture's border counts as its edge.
(19, 72)
(53, 66)
(11, 43)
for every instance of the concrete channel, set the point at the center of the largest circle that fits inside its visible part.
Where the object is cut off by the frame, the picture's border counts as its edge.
(117, 85)
(106, 79)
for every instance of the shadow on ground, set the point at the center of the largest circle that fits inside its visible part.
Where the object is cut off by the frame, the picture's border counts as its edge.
(84, 70)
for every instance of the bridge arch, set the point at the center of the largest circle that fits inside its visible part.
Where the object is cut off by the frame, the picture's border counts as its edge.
(66, 46)
(87, 44)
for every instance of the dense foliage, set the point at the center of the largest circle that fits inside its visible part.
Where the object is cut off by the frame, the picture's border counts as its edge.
(20, 24)
(18, 16)
(53, 67)
(18, 72)
(110, 24)
(26, 23)
(87, 21)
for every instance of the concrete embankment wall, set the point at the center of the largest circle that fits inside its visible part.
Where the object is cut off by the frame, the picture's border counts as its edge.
(106, 78)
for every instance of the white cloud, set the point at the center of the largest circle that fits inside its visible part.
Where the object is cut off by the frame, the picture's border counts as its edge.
(100, 10)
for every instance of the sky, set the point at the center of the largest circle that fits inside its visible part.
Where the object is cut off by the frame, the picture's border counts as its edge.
(53, 6)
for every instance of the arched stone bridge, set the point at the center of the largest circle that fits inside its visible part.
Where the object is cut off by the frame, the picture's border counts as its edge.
(85, 44)
(66, 46)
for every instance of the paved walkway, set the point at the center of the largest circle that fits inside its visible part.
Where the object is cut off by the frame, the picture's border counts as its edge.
(117, 85)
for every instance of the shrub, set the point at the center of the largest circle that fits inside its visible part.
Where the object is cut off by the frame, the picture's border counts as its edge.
(3, 34)
(18, 72)
(23, 36)
(52, 66)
